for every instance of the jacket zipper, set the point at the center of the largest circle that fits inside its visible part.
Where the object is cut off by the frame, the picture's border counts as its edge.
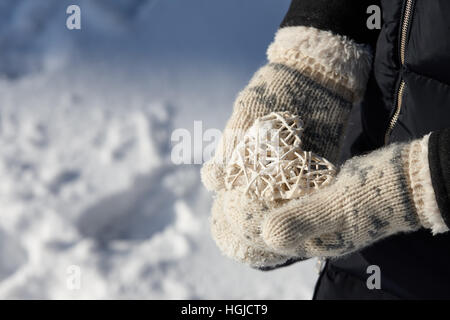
(399, 96)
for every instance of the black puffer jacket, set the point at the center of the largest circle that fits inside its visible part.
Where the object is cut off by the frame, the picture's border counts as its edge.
(408, 96)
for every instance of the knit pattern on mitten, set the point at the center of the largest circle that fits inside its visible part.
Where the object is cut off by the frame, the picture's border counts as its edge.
(234, 245)
(313, 74)
(374, 196)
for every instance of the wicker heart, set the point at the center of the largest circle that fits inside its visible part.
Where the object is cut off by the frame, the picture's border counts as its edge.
(270, 164)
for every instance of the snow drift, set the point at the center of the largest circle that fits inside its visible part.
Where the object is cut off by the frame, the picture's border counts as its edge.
(86, 179)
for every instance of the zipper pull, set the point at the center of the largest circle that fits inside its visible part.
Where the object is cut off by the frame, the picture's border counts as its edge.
(320, 264)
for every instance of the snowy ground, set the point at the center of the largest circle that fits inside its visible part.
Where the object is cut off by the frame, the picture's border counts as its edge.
(86, 180)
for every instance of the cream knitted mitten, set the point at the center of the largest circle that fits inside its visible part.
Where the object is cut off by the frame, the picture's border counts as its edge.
(233, 245)
(313, 74)
(374, 196)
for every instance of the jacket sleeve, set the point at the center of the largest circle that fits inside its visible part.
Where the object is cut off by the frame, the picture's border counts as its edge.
(439, 161)
(343, 17)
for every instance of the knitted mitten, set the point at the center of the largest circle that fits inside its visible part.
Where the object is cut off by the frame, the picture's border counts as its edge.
(313, 74)
(235, 246)
(374, 196)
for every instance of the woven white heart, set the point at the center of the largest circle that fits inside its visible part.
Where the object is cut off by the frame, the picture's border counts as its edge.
(270, 164)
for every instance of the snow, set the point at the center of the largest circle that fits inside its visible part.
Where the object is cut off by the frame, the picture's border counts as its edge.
(87, 185)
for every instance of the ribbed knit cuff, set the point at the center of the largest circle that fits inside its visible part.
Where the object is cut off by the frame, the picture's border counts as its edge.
(422, 187)
(439, 159)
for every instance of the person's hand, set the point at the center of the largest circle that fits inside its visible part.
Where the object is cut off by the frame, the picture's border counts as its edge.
(374, 196)
(313, 74)
(236, 245)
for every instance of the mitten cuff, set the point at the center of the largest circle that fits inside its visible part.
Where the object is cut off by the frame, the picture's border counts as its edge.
(422, 187)
(336, 62)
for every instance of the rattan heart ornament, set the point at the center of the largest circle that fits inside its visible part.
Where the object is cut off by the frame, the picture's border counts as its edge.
(270, 164)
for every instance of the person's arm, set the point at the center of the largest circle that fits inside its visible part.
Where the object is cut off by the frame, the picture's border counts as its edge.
(315, 69)
(344, 17)
(399, 188)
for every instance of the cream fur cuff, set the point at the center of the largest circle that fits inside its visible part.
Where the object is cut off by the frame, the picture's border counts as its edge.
(334, 61)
